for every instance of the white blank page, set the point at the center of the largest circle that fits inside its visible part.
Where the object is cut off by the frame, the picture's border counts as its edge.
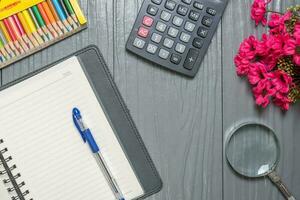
(37, 127)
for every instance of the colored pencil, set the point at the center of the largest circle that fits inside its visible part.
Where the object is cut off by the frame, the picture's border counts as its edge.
(6, 44)
(44, 35)
(62, 15)
(27, 30)
(69, 18)
(17, 34)
(22, 32)
(2, 59)
(41, 22)
(13, 36)
(40, 37)
(47, 20)
(8, 39)
(56, 17)
(51, 18)
(3, 51)
(78, 12)
(71, 10)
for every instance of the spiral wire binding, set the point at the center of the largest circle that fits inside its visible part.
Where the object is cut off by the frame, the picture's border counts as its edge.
(12, 178)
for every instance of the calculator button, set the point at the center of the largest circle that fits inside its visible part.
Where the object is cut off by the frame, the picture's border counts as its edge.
(143, 32)
(139, 43)
(173, 32)
(177, 21)
(182, 10)
(151, 48)
(152, 10)
(187, 1)
(148, 21)
(184, 37)
(161, 27)
(198, 5)
(198, 43)
(158, 2)
(170, 5)
(189, 26)
(202, 32)
(164, 54)
(194, 15)
(211, 11)
(180, 48)
(207, 21)
(165, 16)
(156, 38)
(176, 59)
(168, 43)
(191, 59)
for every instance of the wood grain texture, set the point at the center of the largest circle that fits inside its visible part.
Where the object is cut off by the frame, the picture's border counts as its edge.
(182, 120)
(178, 118)
(238, 104)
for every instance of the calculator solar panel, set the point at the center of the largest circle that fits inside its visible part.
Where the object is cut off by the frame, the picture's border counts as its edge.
(176, 33)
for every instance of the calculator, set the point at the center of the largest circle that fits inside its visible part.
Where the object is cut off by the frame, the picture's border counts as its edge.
(175, 34)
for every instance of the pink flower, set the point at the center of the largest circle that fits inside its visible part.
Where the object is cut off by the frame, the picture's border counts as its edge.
(282, 101)
(281, 81)
(263, 92)
(246, 55)
(258, 11)
(277, 22)
(292, 47)
(257, 72)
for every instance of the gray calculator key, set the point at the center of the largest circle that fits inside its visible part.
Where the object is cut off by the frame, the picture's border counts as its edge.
(151, 48)
(202, 32)
(194, 15)
(158, 2)
(168, 43)
(180, 48)
(173, 32)
(161, 27)
(177, 21)
(139, 43)
(207, 21)
(198, 5)
(170, 4)
(184, 37)
(187, 1)
(182, 10)
(189, 26)
(211, 11)
(165, 16)
(156, 38)
(164, 54)
(191, 59)
(152, 10)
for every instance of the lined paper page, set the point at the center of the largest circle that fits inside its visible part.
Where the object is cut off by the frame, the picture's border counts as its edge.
(4, 195)
(48, 150)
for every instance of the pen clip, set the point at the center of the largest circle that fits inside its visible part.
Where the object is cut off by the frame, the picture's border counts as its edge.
(78, 123)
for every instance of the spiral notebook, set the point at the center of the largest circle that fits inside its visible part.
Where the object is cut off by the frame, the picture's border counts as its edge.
(43, 156)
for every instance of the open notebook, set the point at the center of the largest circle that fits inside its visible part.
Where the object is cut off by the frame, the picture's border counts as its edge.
(37, 128)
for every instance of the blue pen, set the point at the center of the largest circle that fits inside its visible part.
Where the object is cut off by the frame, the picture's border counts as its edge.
(87, 137)
(62, 15)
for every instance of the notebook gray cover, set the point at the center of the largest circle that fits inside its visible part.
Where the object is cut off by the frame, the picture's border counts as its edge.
(109, 97)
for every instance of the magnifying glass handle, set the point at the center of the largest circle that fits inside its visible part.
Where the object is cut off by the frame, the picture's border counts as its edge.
(275, 178)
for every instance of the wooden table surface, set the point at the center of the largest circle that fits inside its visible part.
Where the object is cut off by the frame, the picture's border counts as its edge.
(183, 121)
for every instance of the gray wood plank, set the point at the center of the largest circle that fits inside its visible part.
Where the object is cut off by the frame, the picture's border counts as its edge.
(178, 118)
(238, 104)
(100, 32)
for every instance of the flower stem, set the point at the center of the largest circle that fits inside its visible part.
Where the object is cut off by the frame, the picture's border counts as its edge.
(271, 11)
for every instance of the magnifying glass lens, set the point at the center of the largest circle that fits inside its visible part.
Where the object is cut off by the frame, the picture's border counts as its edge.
(253, 150)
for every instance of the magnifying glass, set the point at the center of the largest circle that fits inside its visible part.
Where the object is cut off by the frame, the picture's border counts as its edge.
(253, 150)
